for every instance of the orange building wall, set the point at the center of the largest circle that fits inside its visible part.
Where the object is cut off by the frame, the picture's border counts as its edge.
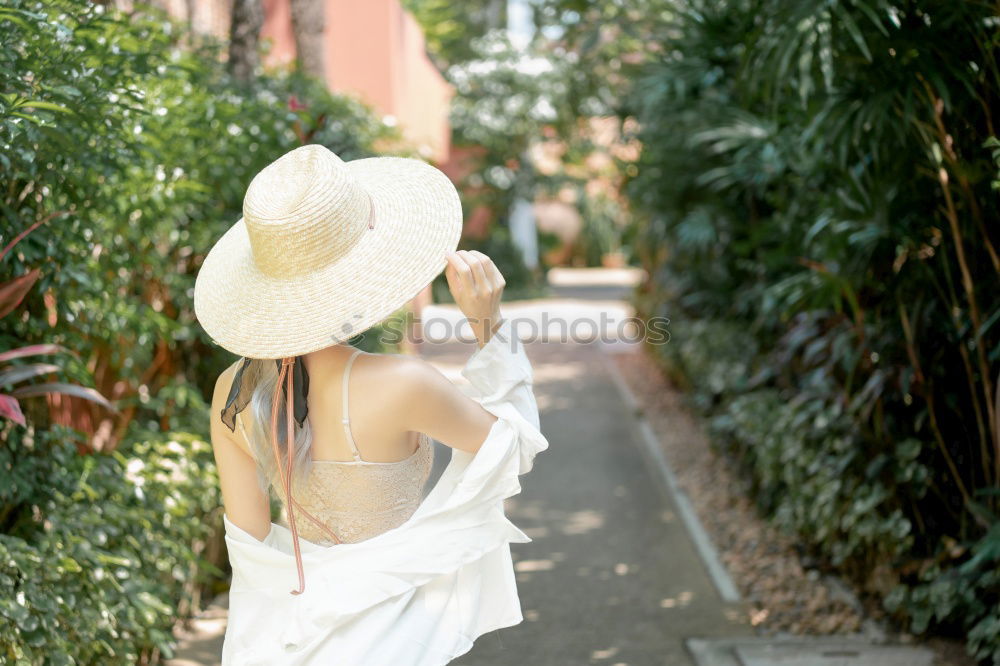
(276, 34)
(375, 50)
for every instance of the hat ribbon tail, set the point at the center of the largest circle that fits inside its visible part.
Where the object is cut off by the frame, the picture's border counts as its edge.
(284, 375)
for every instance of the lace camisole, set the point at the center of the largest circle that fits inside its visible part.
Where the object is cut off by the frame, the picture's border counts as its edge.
(358, 499)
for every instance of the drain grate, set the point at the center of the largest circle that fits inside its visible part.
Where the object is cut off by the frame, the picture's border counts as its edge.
(803, 652)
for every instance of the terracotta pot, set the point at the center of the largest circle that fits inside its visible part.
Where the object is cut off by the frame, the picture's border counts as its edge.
(614, 259)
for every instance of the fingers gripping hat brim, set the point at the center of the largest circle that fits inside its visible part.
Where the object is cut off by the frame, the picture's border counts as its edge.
(417, 223)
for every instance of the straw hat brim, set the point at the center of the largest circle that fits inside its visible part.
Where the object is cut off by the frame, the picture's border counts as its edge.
(418, 221)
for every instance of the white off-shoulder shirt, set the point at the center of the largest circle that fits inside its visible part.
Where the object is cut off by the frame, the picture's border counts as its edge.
(421, 593)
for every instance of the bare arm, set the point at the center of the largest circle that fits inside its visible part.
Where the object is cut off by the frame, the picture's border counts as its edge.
(431, 403)
(436, 407)
(246, 505)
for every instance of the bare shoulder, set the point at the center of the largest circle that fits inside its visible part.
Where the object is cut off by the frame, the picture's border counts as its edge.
(405, 375)
(425, 400)
(223, 384)
(417, 385)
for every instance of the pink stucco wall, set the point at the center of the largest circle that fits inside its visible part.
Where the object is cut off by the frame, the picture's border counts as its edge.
(375, 50)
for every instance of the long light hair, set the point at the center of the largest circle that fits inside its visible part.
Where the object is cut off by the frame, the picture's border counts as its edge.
(263, 376)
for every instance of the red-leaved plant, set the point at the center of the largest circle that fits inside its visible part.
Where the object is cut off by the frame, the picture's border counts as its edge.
(13, 376)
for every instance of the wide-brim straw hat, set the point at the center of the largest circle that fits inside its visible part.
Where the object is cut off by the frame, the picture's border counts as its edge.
(325, 250)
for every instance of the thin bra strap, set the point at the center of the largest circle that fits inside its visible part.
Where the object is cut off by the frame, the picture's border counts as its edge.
(345, 414)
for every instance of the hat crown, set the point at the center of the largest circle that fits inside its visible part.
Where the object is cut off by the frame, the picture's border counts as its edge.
(304, 211)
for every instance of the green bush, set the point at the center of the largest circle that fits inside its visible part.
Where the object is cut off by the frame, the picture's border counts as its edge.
(711, 358)
(816, 479)
(965, 597)
(821, 176)
(93, 573)
(805, 456)
(124, 137)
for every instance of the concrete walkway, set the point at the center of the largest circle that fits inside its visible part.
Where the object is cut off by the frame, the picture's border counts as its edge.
(612, 575)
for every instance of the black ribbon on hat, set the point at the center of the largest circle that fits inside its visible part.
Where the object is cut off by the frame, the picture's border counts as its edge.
(245, 380)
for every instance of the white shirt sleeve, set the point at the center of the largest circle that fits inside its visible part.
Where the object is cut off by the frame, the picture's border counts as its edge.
(501, 373)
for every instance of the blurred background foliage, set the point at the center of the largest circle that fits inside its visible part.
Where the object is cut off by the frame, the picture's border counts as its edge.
(450, 28)
(514, 99)
(819, 219)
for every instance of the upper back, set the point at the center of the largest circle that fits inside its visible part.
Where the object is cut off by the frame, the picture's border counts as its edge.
(373, 390)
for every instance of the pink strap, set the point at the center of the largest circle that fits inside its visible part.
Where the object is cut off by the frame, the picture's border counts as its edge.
(285, 374)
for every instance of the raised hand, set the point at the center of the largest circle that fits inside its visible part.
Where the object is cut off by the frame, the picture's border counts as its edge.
(476, 285)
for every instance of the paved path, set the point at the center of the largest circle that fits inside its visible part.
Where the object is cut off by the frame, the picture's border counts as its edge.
(611, 576)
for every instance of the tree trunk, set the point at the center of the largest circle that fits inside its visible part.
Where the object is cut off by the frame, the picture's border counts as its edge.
(244, 30)
(496, 16)
(308, 21)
